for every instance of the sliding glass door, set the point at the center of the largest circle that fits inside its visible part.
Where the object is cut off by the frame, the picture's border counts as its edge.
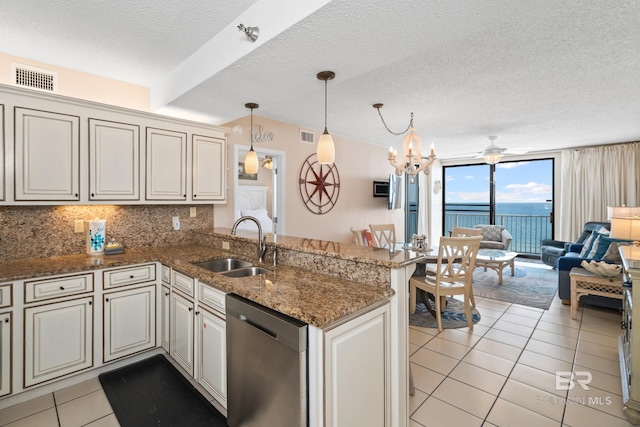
(516, 194)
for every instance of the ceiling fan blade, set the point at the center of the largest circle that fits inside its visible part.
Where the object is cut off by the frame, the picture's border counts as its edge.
(518, 150)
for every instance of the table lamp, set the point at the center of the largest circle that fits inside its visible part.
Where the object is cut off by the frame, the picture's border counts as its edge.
(627, 228)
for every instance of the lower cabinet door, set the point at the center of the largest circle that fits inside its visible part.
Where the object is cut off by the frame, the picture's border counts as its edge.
(57, 340)
(212, 356)
(165, 318)
(129, 322)
(5, 353)
(181, 315)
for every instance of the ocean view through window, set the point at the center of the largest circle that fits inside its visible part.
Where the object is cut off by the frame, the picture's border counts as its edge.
(521, 199)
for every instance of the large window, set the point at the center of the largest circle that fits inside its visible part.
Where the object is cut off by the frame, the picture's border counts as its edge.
(517, 194)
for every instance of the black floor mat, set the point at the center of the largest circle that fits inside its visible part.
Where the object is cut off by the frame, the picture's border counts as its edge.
(153, 393)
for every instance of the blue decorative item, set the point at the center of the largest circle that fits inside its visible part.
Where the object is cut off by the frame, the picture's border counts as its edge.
(96, 229)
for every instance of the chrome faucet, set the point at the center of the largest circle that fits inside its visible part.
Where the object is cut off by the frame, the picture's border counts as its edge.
(262, 240)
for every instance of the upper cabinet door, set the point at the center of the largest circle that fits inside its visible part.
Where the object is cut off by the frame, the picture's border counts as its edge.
(46, 155)
(114, 159)
(2, 190)
(166, 165)
(208, 168)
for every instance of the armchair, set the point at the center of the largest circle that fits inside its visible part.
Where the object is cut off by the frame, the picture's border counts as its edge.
(494, 237)
(551, 250)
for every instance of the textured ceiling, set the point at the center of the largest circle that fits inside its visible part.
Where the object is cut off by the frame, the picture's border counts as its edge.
(544, 74)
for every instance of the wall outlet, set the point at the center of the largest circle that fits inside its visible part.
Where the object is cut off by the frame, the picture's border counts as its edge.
(192, 212)
(225, 245)
(78, 226)
(176, 223)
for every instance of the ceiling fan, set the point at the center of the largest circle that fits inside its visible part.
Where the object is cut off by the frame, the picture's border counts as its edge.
(493, 154)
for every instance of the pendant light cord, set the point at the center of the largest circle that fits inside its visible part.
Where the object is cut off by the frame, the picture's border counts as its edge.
(325, 107)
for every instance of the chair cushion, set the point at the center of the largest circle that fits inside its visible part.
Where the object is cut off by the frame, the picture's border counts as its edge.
(491, 232)
(601, 246)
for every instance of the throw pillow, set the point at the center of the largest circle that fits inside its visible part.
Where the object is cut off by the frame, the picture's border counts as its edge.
(588, 243)
(491, 232)
(612, 254)
(601, 246)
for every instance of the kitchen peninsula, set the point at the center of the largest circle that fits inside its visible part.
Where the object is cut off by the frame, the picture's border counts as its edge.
(354, 282)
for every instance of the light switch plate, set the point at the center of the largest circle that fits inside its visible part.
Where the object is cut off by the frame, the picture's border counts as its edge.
(78, 226)
(192, 212)
(225, 245)
(175, 221)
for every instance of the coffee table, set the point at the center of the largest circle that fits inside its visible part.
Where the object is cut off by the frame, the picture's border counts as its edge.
(497, 260)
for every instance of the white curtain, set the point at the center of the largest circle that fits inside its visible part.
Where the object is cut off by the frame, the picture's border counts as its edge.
(592, 179)
(424, 206)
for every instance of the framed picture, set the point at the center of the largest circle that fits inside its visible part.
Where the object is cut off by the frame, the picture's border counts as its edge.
(243, 175)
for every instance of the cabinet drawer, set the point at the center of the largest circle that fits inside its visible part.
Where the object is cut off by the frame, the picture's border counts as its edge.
(39, 290)
(5, 296)
(166, 274)
(211, 297)
(183, 283)
(129, 276)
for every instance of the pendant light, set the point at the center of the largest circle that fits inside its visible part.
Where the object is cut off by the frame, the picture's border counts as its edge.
(326, 150)
(251, 159)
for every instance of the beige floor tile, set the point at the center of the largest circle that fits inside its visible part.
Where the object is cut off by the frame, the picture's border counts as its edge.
(610, 327)
(490, 313)
(505, 413)
(558, 329)
(499, 349)
(465, 338)
(536, 378)
(551, 338)
(448, 348)
(507, 338)
(600, 400)
(492, 304)
(413, 348)
(478, 377)
(415, 424)
(75, 391)
(606, 340)
(489, 362)
(435, 413)
(520, 320)
(597, 363)
(108, 421)
(561, 319)
(544, 363)
(84, 410)
(577, 415)
(478, 330)
(606, 382)
(599, 350)
(514, 328)
(434, 361)
(551, 350)
(419, 337)
(425, 379)
(46, 418)
(465, 397)
(416, 400)
(534, 399)
(23, 410)
(520, 310)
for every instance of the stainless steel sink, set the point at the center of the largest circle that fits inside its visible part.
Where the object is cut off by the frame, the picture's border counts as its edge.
(224, 264)
(246, 272)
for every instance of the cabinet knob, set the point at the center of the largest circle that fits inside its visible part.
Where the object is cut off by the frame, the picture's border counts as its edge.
(90, 302)
(197, 312)
(195, 195)
(131, 276)
(190, 308)
(106, 300)
(167, 294)
(92, 195)
(76, 195)
(62, 288)
(6, 320)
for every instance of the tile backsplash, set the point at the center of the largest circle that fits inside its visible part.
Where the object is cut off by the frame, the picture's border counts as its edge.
(45, 231)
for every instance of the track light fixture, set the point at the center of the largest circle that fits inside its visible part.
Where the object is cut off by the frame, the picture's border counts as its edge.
(252, 33)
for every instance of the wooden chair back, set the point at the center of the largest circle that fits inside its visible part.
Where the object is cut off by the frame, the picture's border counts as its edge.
(457, 259)
(465, 232)
(384, 235)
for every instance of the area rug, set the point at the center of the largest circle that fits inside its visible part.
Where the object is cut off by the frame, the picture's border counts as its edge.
(452, 317)
(533, 285)
(153, 393)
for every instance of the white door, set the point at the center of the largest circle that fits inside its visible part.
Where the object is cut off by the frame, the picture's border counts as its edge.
(213, 355)
(114, 156)
(129, 322)
(209, 168)
(5, 353)
(58, 340)
(165, 318)
(166, 165)
(182, 332)
(46, 155)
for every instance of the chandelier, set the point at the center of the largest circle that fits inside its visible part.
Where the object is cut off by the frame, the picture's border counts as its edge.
(412, 161)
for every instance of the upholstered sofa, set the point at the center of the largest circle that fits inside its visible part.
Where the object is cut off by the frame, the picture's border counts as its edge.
(494, 237)
(573, 258)
(551, 250)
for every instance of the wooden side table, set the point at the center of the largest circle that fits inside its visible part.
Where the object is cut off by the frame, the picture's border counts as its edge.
(584, 282)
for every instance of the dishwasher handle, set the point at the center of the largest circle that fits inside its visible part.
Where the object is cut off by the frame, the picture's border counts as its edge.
(246, 320)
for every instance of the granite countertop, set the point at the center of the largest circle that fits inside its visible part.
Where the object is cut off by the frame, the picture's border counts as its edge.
(311, 297)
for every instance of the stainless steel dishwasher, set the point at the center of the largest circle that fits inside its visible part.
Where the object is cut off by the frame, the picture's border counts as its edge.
(266, 366)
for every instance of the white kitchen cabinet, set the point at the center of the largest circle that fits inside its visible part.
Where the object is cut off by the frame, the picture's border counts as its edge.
(165, 318)
(209, 173)
(47, 159)
(212, 357)
(181, 335)
(129, 322)
(5, 353)
(166, 153)
(357, 371)
(57, 340)
(2, 184)
(114, 160)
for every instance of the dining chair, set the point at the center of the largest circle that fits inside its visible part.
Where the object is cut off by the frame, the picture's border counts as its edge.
(360, 236)
(456, 261)
(465, 232)
(384, 235)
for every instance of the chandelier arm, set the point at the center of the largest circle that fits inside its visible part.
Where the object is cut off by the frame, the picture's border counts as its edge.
(387, 127)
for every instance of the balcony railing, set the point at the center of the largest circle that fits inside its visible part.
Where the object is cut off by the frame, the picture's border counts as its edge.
(527, 230)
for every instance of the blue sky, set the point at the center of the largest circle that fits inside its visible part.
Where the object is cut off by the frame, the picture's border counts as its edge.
(516, 182)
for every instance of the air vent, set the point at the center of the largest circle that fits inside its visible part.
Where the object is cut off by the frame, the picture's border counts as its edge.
(307, 137)
(34, 78)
